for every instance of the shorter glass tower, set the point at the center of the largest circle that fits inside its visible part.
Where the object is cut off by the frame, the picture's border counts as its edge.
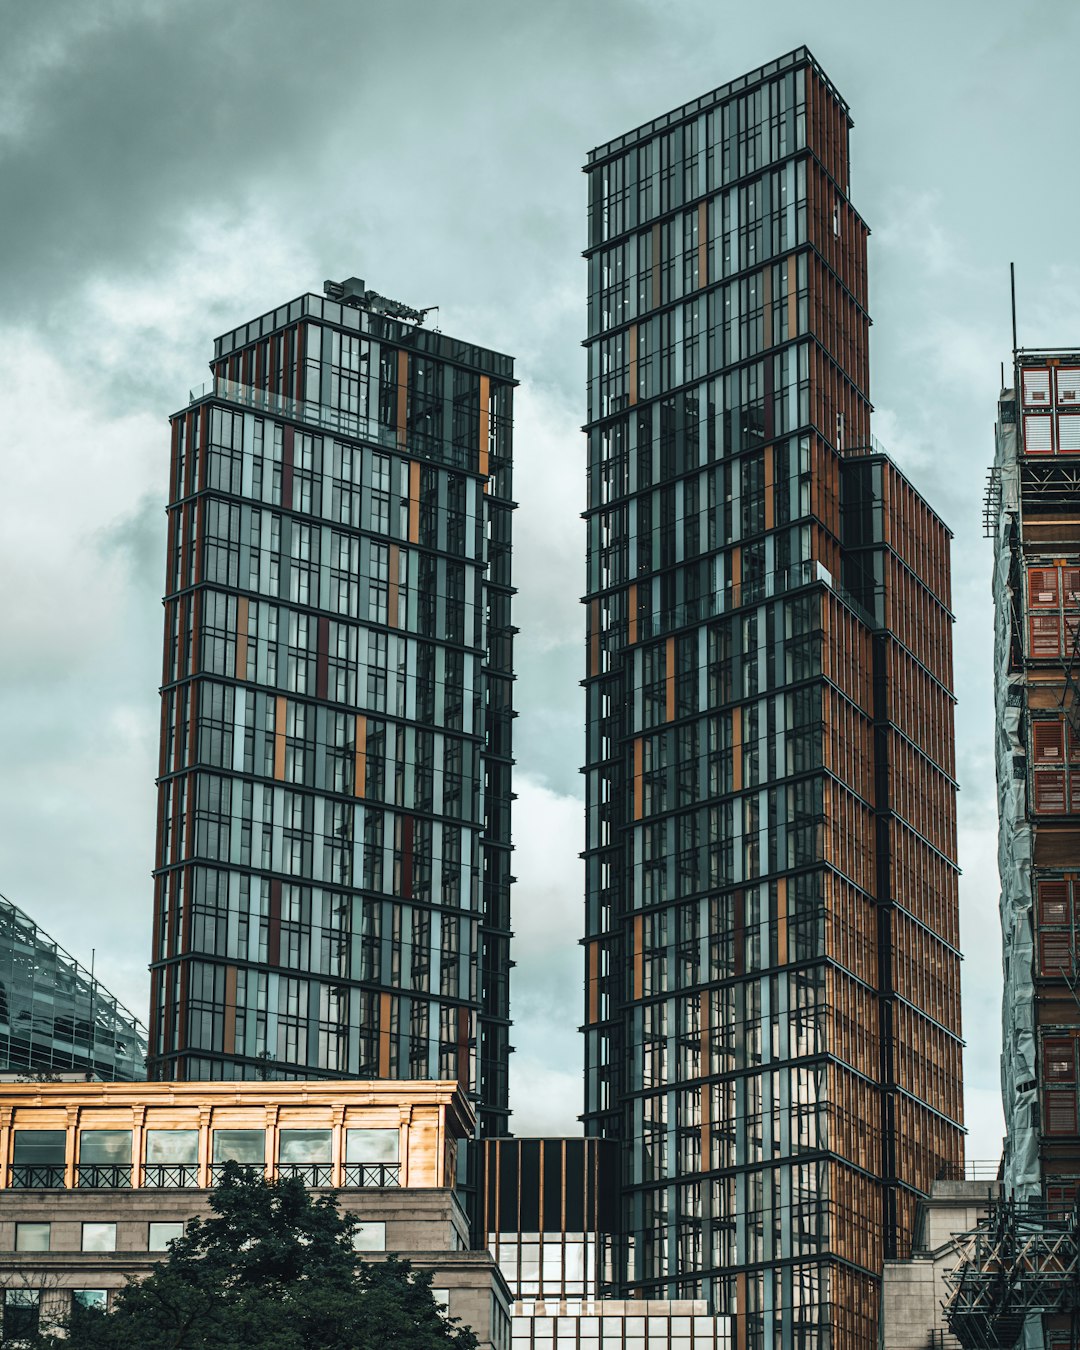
(333, 869)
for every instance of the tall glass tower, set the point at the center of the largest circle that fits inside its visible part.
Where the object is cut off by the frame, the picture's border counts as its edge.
(333, 868)
(772, 975)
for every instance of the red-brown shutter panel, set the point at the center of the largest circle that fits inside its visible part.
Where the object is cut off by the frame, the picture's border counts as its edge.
(1050, 791)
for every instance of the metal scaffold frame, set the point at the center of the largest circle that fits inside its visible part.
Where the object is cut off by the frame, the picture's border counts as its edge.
(1022, 1260)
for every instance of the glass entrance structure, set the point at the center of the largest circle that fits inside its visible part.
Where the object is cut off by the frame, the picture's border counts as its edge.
(772, 974)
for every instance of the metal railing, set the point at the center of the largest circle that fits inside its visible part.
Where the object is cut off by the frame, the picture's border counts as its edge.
(217, 1170)
(972, 1169)
(185, 1176)
(37, 1176)
(170, 1176)
(104, 1176)
(311, 1174)
(372, 1174)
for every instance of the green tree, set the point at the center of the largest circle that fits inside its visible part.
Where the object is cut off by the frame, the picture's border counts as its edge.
(272, 1268)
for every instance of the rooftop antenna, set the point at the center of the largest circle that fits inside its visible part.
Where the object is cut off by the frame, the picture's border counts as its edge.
(1012, 288)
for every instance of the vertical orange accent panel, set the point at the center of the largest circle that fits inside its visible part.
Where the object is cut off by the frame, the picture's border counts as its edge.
(740, 1315)
(736, 749)
(392, 594)
(230, 1010)
(639, 969)
(703, 243)
(241, 637)
(189, 697)
(770, 461)
(485, 425)
(463, 1030)
(279, 737)
(631, 611)
(414, 502)
(360, 779)
(402, 395)
(706, 1103)
(637, 777)
(632, 376)
(669, 680)
(792, 296)
(781, 922)
(384, 1035)
(593, 949)
(736, 576)
(594, 638)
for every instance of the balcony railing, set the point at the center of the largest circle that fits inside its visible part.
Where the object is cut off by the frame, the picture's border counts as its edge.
(372, 1174)
(104, 1176)
(311, 1174)
(37, 1176)
(971, 1169)
(171, 1176)
(217, 1170)
(185, 1176)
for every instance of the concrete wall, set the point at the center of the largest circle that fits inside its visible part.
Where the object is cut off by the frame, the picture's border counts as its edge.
(913, 1291)
(426, 1226)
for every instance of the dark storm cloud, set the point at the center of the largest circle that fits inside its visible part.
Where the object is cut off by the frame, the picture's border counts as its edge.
(170, 168)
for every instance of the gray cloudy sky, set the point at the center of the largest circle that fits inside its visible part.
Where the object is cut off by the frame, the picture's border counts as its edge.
(169, 168)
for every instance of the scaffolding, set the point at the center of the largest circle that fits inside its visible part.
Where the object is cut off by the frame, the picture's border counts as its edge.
(1021, 1261)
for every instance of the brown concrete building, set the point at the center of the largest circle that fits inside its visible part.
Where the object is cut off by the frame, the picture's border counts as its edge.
(95, 1179)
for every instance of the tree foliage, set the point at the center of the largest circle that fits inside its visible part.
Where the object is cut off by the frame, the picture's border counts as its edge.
(272, 1268)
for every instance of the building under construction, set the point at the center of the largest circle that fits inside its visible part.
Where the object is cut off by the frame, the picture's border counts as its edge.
(1020, 1282)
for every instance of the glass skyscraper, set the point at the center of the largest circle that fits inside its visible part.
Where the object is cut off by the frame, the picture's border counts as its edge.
(332, 883)
(772, 969)
(55, 1018)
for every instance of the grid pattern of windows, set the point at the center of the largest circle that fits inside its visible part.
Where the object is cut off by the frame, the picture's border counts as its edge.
(54, 1016)
(333, 866)
(769, 739)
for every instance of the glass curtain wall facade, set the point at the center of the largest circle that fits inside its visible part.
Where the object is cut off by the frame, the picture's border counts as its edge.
(332, 883)
(54, 1016)
(771, 1014)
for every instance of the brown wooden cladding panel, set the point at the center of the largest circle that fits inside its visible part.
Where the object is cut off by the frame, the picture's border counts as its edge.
(925, 971)
(923, 882)
(853, 1024)
(856, 1300)
(835, 229)
(847, 653)
(824, 492)
(925, 1143)
(927, 1062)
(916, 534)
(838, 324)
(918, 620)
(849, 836)
(848, 743)
(851, 936)
(921, 794)
(1057, 846)
(920, 706)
